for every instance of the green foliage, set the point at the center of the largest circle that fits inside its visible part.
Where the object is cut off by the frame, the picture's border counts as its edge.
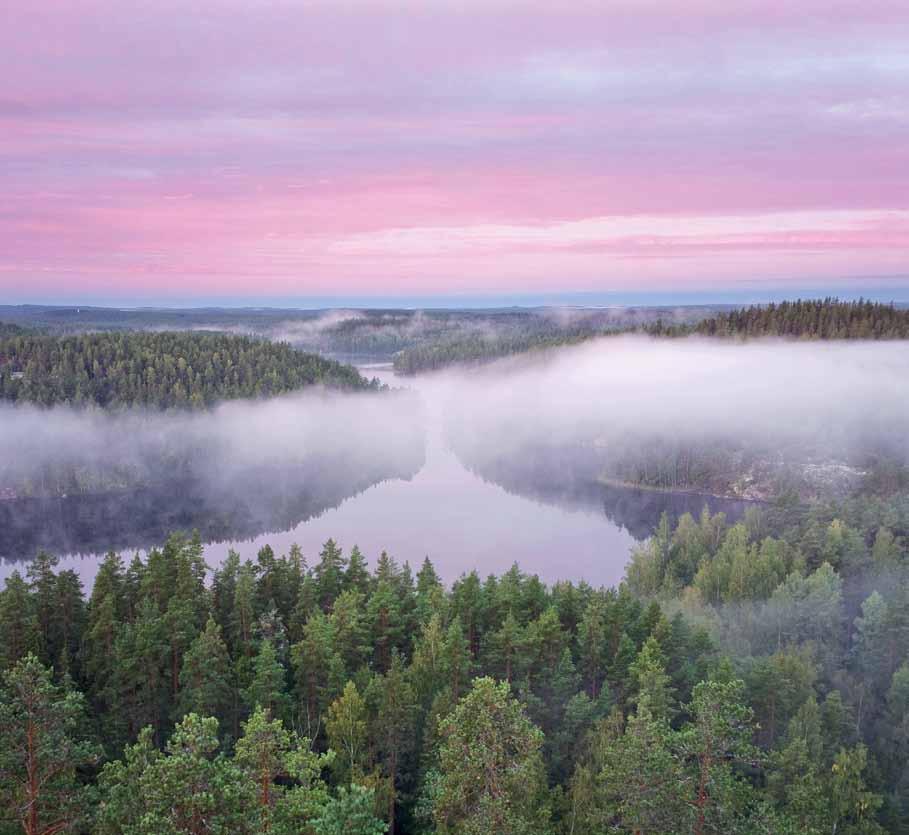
(491, 776)
(802, 319)
(205, 678)
(166, 370)
(350, 813)
(284, 698)
(268, 753)
(812, 319)
(187, 788)
(42, 748)
(347, 733)
(267, 688)
(653, 688)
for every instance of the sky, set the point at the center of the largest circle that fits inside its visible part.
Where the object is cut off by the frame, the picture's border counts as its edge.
(250, 151)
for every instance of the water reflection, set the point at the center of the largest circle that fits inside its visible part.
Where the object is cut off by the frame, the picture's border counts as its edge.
(544, 510)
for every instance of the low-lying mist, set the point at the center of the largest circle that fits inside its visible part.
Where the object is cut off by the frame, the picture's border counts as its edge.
(234, 472)
(220, 444)
(643, 410)
(738, 420)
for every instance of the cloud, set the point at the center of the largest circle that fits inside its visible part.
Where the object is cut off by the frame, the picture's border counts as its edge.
(300, 141)
(658, 234)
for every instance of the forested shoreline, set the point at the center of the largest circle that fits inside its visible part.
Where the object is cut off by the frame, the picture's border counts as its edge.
(827, 318)
(810, 319)
(164, 370)
(745, 678)
(425, 340)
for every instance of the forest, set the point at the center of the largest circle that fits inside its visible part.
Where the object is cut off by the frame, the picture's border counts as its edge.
(745, 678)
(811, 319)
(363, 333)
(827, 318)
(164, 370)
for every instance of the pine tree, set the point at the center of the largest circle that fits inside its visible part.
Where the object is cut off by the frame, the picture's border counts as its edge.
(350, 632)
(350, 813)
(244, 610)
(637, 782)
(68, 624)
(313, 659)
(718, 739)
(205, 678)
(41, 750)
(456, 658)
(188, 788)
(385, 621)
(394, 728)
(18, 621)
(505, 649)
(428, 587)
(346, 727)
(329, 574)
(652, 687)
(268, 688)
(591, 639)
(140, 683)
(43, 587)
(491, 777)
(286, 773)
(428, 666)
(356, 575)
(106, 608)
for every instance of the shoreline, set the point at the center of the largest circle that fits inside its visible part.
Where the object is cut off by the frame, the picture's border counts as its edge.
(620, 484)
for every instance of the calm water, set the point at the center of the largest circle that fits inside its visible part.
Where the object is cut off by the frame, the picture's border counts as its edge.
(444, 511)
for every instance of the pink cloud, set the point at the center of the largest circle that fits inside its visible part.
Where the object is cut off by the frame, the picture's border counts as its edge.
(355, 147)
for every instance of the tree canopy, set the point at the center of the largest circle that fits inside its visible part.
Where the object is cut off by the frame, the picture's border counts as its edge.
(161, 370)
(745, 678)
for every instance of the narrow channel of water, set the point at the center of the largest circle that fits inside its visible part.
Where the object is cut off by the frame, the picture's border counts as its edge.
(459, 519)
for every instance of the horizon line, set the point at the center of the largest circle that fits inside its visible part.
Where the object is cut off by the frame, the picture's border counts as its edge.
(590, 299)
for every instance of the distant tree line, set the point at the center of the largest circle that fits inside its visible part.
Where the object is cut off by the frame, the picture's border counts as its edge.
(8, 330)
(431, 356)
(747, 678)
(168, 370)
(810, 319)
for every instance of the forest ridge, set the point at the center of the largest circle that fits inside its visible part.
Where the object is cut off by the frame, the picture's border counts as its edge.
(178, 370)
(825, 319)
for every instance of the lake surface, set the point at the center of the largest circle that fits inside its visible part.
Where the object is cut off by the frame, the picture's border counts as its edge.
(556, 526)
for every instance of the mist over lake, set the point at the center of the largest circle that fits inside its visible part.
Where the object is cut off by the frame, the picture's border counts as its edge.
(474, 468)
(425, 502)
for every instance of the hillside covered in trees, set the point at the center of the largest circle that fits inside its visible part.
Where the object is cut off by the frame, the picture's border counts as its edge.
(539, 330)
(431, 356)
(165, 370)
(747, 678)
(426, 338)
(810, 319)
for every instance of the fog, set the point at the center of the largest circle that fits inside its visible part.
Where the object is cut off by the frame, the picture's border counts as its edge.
(565, 429)
(834, 398)
(221, 443)
(660, 385)
(308, 331)
(830, 401)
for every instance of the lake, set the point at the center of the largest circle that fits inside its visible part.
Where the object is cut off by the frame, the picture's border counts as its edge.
(558, 524)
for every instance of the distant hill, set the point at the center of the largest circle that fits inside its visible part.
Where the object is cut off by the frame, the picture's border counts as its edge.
(820, 319)
(360, 333)
(811, 319)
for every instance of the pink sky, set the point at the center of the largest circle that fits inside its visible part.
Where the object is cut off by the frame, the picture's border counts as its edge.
(266, 148)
